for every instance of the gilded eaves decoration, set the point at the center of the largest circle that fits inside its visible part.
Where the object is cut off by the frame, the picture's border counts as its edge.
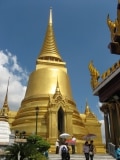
(95, 76)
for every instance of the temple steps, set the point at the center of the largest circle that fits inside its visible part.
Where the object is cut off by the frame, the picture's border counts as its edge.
(82, 157)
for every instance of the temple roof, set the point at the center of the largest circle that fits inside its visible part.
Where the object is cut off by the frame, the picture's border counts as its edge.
(107, 76)
(49, 49)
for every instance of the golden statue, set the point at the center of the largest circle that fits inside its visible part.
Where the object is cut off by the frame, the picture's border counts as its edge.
(94, 75)
(114, 27)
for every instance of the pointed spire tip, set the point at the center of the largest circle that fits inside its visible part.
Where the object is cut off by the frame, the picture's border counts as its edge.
(50, 18)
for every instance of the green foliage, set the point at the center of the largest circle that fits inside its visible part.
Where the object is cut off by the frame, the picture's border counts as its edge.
(12, 152)
(34, 138)
(32, 149)
(39, 142)
(24, 149)
(37, 156)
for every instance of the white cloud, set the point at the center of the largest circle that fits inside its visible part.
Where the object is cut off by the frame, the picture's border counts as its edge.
(10, 69)
(99, 104)
(102, 130)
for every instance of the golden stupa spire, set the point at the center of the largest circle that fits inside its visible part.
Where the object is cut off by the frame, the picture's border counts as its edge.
(87, 109)
(49, 49)
(6, 97)
(5, 105)
(5, 108)
(50, 18)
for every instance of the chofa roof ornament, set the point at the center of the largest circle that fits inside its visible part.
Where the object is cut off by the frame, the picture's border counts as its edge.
(114, 27)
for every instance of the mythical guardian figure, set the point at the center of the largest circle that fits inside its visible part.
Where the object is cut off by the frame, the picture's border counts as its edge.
(114, 27)
(94, 75)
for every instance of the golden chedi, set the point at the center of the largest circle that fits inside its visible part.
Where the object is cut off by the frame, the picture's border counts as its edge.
(49, 90)
(48, 108)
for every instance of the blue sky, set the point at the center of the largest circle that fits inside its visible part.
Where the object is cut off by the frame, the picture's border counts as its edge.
(81, 34)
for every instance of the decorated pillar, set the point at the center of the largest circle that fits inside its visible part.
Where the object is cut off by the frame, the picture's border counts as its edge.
(68, 124)
(118, 116)
(111, 125)
(53, 133)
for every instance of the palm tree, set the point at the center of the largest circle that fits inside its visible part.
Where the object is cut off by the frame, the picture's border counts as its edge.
(12, 152)
(34, 147)
(20, 149)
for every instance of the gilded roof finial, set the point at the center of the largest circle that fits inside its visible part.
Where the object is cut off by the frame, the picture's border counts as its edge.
(94, 75)
(114, 27)
(57, 87)
(86, 102)
(50, 18)
(57, 92)
(87, 109)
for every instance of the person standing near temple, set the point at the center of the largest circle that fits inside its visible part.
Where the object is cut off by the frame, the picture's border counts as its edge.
(86, 150)
(57, 146)
(73, 144)
(63, 150)
(68, 152)
(117, 152)
(91, 150)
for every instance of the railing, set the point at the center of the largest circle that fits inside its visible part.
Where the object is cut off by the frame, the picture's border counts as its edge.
(111, 149)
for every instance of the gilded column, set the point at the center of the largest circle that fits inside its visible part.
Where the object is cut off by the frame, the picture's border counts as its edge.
(52, 124)
(69, 121)
(107, 131)
(118, 117)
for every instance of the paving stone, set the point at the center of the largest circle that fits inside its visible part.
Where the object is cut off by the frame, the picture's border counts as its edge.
(82, 157)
